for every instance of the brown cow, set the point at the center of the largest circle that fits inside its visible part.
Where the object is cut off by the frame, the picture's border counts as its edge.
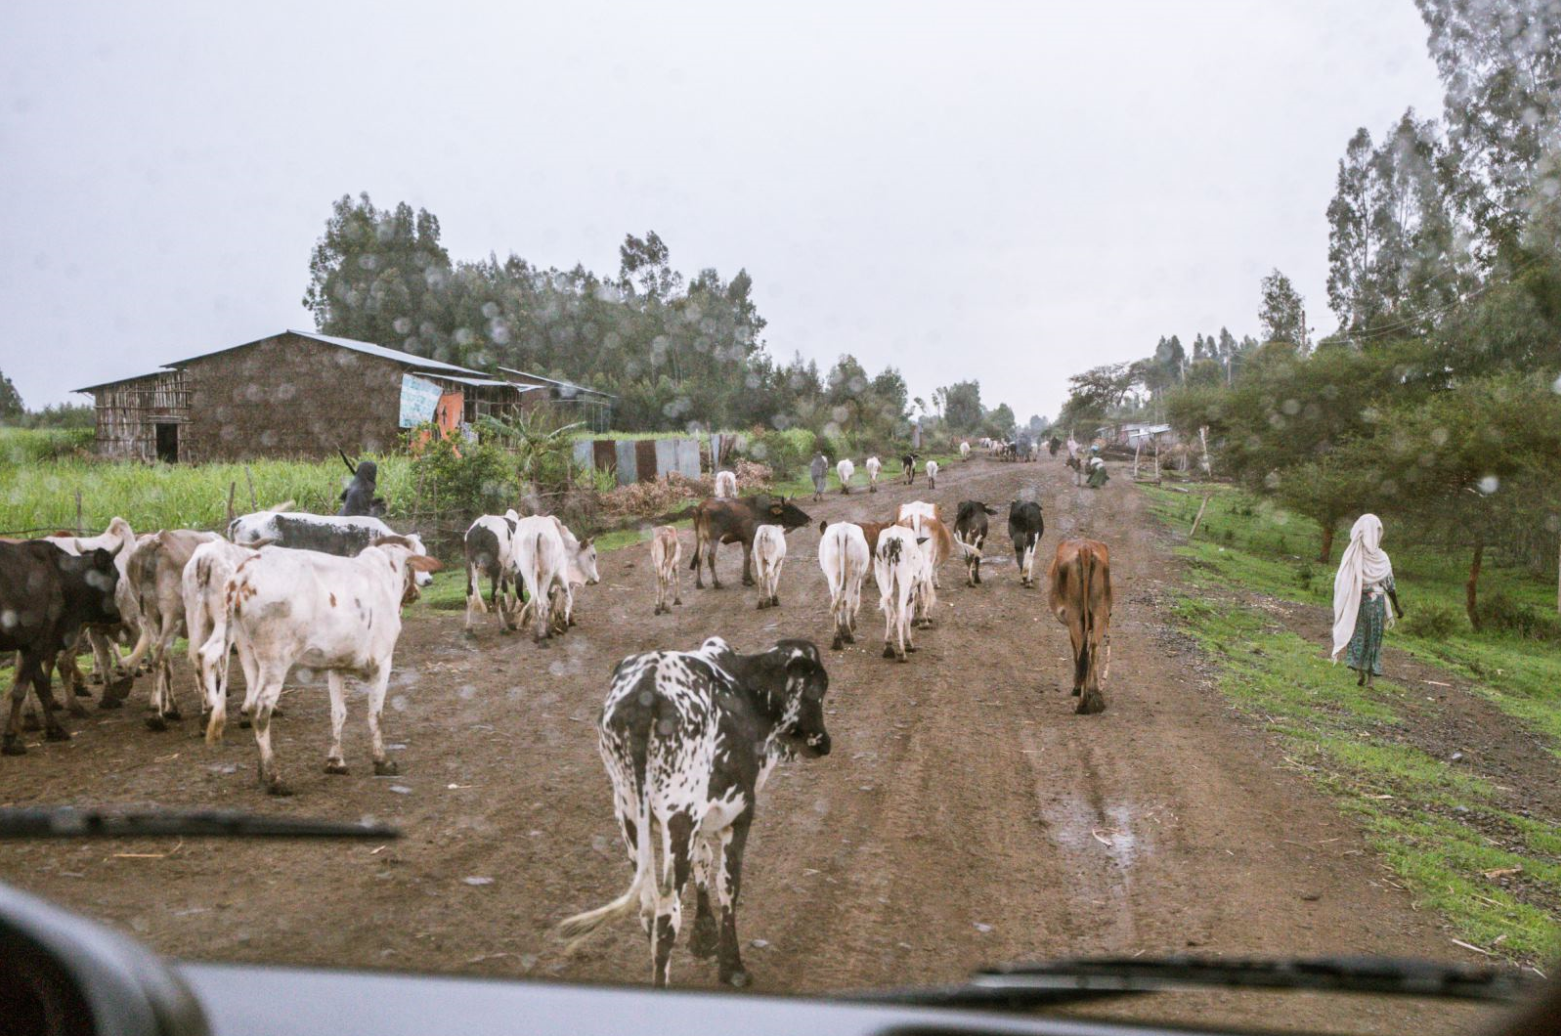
(735, 521)
(1080, 580)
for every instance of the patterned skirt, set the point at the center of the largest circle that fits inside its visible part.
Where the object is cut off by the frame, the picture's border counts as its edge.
(1365, 650)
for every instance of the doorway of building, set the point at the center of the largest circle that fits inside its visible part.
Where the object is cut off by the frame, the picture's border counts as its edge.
(168, 443)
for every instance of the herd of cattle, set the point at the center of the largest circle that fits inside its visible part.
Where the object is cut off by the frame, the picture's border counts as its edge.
(687, 737)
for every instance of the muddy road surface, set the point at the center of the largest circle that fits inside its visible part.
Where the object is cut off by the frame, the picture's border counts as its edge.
(966, 815)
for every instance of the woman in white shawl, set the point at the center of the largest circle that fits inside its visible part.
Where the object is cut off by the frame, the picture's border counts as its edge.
(1361, 591)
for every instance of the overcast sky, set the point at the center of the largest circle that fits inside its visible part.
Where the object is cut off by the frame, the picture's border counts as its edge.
(1007, 192)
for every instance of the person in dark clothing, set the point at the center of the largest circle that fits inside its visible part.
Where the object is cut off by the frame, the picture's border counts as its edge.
(358, 498)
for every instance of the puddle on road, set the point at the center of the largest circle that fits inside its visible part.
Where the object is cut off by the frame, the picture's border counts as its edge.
(1079, 828)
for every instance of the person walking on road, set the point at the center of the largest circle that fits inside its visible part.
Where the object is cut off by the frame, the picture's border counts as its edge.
(1361, 593)
(819, 469)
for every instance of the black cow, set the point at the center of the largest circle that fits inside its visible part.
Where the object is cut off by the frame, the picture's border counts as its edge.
(908, 467)
(358, 498)
(735, 521)
(970, 529)
(688, 738)
(1025, 526)
(46, 597)
(1054, 444)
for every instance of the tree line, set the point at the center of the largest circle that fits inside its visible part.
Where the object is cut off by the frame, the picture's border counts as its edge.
(678, 352)
(1437, 402)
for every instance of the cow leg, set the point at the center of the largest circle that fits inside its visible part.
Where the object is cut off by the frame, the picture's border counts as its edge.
(12, 743)
(715, 580)
(699, 546)
(72, 683)
(890, 628)
(729, 879)
(271, 675)
(705, 937)
(677, 864)
(677, 588)
(164, 706)
(383, 767)
(748, 563)
(52, 730)
(334, 762)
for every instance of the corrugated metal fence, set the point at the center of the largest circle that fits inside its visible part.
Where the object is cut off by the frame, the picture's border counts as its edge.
(639, 460)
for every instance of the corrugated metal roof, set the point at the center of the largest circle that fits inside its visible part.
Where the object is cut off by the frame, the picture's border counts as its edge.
(120, 381)
(560, 384)
(489, 383)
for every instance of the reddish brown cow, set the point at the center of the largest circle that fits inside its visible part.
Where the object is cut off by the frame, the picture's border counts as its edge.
(735, 521)
(1080, 580)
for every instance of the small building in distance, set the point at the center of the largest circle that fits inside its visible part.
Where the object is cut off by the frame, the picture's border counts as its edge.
(303, 394)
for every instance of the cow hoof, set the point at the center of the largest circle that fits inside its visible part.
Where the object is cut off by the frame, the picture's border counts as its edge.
(243, 722)
(737, 980)
(470, 634)
(386, 768)
(774, 602)
(335, 766)
(56, 734)
(156, 723)
(888, 652)
(544, 642)
(278, 789)
(95, 679)
(12, 746)
(705, 938)
(30, 722)
(850, 638)
(678, 601)
(837, 644)
(174, 714)
(82, 692)
(109, 702)
(1076, 692)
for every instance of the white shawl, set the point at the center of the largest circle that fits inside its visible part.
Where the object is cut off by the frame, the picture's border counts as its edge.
(1364, 564)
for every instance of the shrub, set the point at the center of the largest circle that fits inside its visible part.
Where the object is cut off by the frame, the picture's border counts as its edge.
(466, 478)
(647, 499)
(1500, 612)
(1431, 621)
(1304, 574)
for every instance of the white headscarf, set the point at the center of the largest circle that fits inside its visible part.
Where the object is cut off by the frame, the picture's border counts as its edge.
(1364, 564)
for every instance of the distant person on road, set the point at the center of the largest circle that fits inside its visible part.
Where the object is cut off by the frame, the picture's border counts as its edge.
(1053, 444)
(819, 469)
(1361, 592)
(1096, 469)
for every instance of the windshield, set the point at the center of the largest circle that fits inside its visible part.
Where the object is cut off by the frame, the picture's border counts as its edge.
(1090, 471)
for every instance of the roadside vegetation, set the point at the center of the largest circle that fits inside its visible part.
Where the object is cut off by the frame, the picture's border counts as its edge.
(1463, 842)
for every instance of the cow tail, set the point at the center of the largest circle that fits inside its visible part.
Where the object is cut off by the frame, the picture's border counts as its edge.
(472, 589)
(214, 658)
(642, 890)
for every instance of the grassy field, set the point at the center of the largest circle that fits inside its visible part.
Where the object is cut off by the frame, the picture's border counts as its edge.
(1450, 834)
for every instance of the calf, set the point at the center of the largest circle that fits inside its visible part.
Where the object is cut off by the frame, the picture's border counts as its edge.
(155, 576)
(550, 562)
(688, 740)
(342, 615)
(873, 466)
(725, 485)
(735, 521)
(845, 557)
(490, 551)
(769, 553)
(46, 597)
(932, 474)
(844, 470)
(970, 531)
(1025, 526)
(897, 564)
(1080, 598)
(908, 467)
(328, 534)
(665, 553)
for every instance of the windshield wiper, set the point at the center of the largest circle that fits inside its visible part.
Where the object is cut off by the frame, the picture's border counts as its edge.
(65, 822)
(1025, 986)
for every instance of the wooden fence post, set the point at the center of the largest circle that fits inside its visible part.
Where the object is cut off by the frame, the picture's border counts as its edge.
(78, 512)
(1198, 519)
(232, 488)
(250, 479)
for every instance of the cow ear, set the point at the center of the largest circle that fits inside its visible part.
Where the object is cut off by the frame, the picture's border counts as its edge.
(424, 563)
(921, 541)
(587, 542)
(823, 523)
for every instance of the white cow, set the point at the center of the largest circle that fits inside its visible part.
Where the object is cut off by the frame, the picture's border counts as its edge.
(845, 559)
(725, 485)
(666, 553)
(342, 615)
(551, 562)
(490, 551)
(932, 474)
(897, 568)
(769, 554)
(844, 470)
(964, 450)
(873, 466)
(204, 587)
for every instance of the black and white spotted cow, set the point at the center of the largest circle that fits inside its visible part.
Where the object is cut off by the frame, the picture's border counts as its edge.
(688, 739)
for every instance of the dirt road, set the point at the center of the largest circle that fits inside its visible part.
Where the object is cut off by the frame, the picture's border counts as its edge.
(966, 816)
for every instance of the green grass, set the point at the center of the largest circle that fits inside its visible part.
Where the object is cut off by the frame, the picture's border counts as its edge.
(1253, 544)
(1440, 828)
